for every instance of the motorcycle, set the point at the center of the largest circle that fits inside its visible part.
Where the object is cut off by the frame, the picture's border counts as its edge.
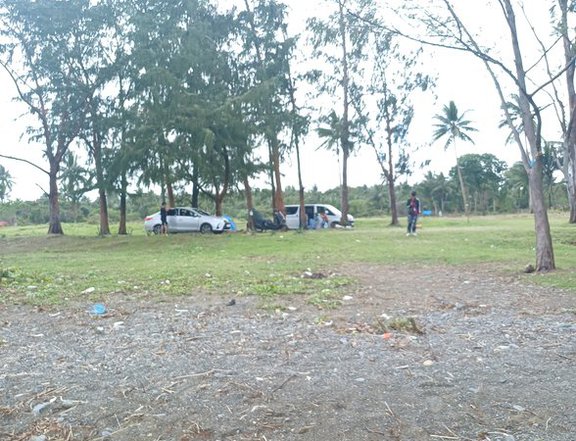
(260, 223)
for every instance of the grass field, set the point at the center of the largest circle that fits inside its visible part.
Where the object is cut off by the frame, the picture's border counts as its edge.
(39, 269)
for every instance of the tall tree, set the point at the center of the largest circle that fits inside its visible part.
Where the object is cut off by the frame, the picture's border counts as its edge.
(96, 71)
(45, 42)
(266, 53)
(341, 41)
(453, 126)
(444, 26)
(562, 15)
(395, 79)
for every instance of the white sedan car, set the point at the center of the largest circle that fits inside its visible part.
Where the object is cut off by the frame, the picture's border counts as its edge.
(186, 220)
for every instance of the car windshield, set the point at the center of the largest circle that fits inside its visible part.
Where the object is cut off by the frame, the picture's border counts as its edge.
(332, 211)
(202, 212)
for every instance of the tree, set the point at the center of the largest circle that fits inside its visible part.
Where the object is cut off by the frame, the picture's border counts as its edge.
(347, 36)
(437, 188)
(75, 181)
(445, 27)
(6, 183)
(483, 174)
(516, 186)
(453, 126)
(266, 54)
(453, 32)
(565, 111)
(96, 71)
(45, 42)
(395, 79)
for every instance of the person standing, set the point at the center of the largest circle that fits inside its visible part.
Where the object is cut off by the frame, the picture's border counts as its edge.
(163, 219)
(413, 208)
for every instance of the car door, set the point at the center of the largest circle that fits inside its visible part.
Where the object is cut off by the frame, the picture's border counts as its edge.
(310, 215)
(188, 220)
(293, 216)
(172, 218)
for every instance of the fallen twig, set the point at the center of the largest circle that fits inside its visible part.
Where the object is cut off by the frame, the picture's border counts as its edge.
(444, 437)
(369, 430)
(283, 383)
(389, 410)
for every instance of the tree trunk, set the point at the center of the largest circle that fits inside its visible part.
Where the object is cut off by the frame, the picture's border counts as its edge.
(302, 221)
(461, 180)
(569, 165)
(249, 203)
(544, 250)
(390, 177)
(278, 196)
(219, 197)
(302, 211)
(272, 179)
(195, 188)
(571, 188)
(170, 192)
(344, 190)
(219, 202)
(103, 202)
(55, 227)
(122, 226)
(532, 124)
(345, 135)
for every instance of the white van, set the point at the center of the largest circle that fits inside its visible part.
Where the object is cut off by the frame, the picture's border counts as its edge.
(313, 216)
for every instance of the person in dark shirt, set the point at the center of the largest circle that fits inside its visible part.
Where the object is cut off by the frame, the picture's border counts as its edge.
(413, 208)
(279, 219)
(164, 218)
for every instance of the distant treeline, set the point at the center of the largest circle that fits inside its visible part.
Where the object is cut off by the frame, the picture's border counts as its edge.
(365, 201)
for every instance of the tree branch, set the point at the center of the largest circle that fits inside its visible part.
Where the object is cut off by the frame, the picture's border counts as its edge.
(26, 161)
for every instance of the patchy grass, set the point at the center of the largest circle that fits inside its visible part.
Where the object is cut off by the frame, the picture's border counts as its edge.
(40, 269)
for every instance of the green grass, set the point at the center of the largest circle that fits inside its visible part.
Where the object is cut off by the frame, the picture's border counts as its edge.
(39, 269)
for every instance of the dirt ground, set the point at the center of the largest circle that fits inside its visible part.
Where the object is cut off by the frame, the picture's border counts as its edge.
(426, 353)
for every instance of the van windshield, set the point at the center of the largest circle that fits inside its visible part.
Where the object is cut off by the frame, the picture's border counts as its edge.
(330, 211)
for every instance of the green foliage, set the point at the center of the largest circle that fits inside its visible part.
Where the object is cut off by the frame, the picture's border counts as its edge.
(5, 183)
(484, 176)
(452, 125)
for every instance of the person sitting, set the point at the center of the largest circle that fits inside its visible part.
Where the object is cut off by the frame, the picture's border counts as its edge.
(323, 219)
(279, 218)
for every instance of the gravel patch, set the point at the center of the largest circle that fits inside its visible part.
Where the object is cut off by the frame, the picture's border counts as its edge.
(427, 353)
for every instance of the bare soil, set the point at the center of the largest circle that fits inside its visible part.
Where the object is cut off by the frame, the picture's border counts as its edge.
(409, 354)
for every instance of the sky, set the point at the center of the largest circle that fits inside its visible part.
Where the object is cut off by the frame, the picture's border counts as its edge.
(461, 78)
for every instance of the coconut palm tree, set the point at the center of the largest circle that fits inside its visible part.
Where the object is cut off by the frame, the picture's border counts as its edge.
(453, 126)
(5, 183)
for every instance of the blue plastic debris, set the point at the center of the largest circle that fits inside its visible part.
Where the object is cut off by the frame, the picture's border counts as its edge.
(98, 309)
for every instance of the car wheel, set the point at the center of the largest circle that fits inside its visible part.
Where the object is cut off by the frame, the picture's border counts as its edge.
(156, 229)
(333, 224)
(205, 228)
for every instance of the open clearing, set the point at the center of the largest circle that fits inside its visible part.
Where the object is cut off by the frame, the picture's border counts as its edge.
(409, 353)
